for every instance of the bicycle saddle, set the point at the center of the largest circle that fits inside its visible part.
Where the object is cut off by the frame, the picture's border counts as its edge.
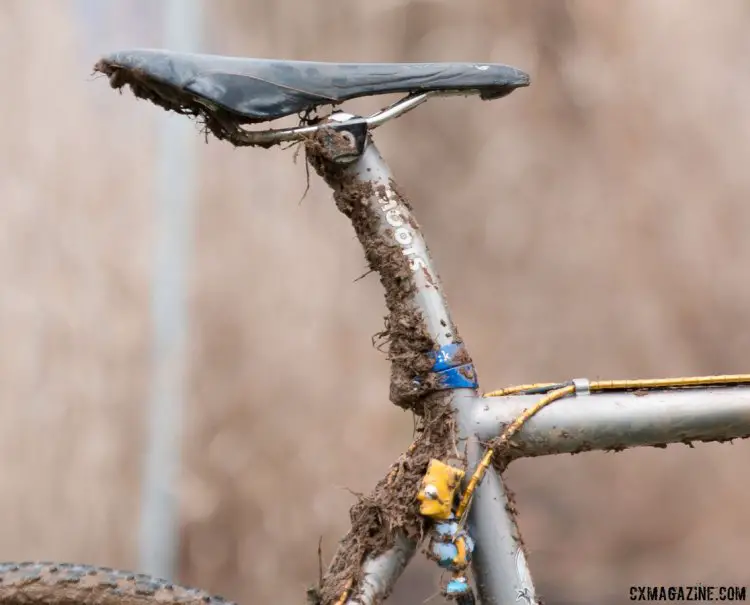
(261, 90)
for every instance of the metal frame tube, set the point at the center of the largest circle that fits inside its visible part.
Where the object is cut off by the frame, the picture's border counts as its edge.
(500, 567)
(379, 574)
(615, 421)
(501, 572)
(398, 224)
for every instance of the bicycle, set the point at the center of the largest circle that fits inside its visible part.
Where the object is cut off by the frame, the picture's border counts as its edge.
(450, 478)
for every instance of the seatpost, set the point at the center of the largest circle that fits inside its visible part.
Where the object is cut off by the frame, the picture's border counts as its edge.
(426, 352)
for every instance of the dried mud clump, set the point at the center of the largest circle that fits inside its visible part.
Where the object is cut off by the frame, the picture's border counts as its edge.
(392, 505)
(409, 343)
(223, 124)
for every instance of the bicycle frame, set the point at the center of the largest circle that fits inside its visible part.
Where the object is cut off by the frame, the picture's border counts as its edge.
(432, 374)
(345, 156)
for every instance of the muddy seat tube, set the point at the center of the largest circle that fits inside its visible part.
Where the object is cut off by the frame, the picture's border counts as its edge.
(427, 355)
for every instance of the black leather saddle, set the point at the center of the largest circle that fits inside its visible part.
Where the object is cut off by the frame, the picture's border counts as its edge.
(248, 91)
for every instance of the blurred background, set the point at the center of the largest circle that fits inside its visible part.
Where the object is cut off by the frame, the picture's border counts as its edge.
(594, 224)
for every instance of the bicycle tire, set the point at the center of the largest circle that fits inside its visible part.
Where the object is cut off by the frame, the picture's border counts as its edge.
(45, 583)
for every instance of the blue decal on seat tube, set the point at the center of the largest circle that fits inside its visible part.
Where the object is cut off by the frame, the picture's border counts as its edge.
(459, 377)
(445, 356)
(451, 368)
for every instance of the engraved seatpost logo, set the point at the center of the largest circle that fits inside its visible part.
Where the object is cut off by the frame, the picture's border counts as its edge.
(402, 231)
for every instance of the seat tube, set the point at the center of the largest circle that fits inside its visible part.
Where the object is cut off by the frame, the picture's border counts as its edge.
(365, 191)
(500, 567)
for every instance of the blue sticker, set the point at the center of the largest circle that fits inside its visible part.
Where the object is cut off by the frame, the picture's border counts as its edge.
(460, 377)
(457, 587)
(445, 356)
(451, 373)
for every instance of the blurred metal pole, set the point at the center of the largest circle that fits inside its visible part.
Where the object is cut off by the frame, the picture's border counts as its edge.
(176, 186)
